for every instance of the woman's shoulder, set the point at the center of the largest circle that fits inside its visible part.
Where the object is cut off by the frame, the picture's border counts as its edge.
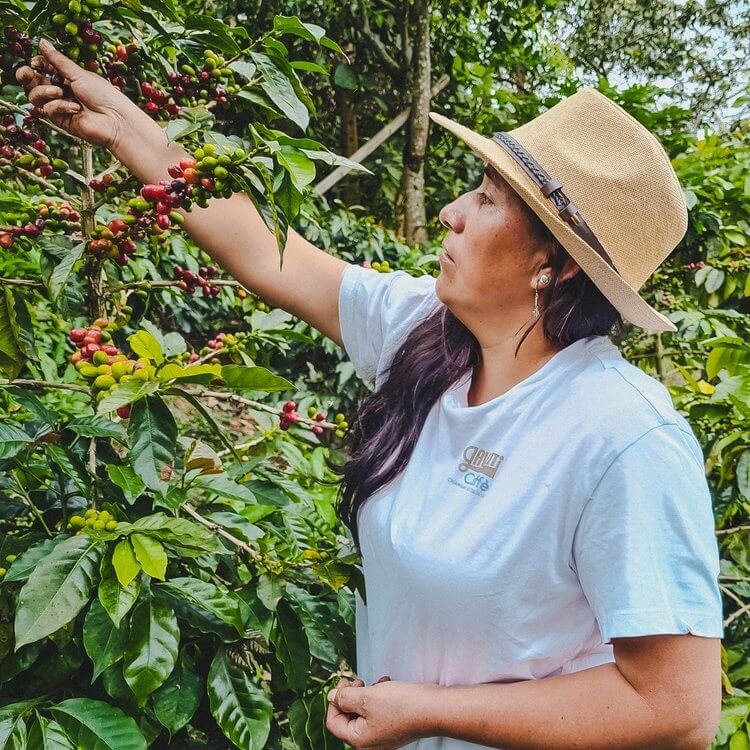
(621, 400)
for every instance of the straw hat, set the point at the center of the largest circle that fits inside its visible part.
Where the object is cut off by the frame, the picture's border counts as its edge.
(602, 184)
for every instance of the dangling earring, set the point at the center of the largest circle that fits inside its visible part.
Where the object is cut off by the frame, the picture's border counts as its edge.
(542, 280)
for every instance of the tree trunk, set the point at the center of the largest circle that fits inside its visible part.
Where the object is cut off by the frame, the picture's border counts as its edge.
(413, 220)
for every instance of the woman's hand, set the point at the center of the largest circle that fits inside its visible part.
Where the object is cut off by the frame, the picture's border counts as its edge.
(100, 113)
(384, 716)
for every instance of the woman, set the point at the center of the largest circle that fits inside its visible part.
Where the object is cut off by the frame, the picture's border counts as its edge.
(539, 553)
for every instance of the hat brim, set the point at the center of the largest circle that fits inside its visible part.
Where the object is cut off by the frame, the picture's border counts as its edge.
(625, 299)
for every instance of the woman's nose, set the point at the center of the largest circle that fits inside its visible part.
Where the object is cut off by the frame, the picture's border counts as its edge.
(450, 217)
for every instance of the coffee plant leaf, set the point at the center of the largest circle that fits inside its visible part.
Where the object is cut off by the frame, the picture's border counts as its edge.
(127, 480)
(103, 640)
(47, 734)
(153, 441)
(26, 562)
(13, 439)
(206, 596)
(97, 725)
(240, 706)
(150, 554)
(292, 650)
(253, 379)
(116, 599)
(152, 646)
(126, 393)
(178, 698)
(125, 563)
(57, 589)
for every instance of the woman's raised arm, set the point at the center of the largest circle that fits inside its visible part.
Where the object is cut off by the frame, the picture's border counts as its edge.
(230, 230)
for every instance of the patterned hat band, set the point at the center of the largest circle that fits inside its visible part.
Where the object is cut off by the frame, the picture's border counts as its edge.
(552, 188)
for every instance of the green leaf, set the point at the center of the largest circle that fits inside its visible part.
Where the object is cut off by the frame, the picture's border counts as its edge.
(103, 640)
(292, 650)
(47, 734)
(254, 379)
(178, 698)
(152, 647)
(126, 393)
(742, 473)
(125, 563)
(240, 706)
(150, 554)
(96, 426)
(244, 68)
(145, 345)
(345, 78)
(208, 597)
(57, 589)
(201, 374)
(96, 725)
(293, 25)
(70, 465)
(26, 562)
(13, 440)
(116, 599)
(222, 485)
(11, 347)
(280, 90)
(59, 278)
(301, 169)
(153, 441)
(178, 534)
(127, 480)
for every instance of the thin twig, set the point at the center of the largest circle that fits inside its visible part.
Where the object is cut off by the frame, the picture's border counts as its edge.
(733, 529)
(222, 532)
(241, 446)
(51, 125)
(736, 614)
(44, 384)
(261, 407)
(41, 181)
(21, 282)
(146, 284)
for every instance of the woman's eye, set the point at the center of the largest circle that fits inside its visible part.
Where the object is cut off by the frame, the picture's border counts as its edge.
(483, 198)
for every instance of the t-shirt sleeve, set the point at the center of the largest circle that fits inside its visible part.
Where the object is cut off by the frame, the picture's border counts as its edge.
(645, 547)
(377, 311)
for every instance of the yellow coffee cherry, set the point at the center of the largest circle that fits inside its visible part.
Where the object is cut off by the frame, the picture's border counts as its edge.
(99, 525)
(90, 513)
(76, 522)
(110, 525)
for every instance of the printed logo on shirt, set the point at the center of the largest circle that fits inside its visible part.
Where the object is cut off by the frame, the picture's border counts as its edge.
(477, 467)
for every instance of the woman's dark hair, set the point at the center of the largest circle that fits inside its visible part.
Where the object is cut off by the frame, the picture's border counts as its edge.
(435, 354)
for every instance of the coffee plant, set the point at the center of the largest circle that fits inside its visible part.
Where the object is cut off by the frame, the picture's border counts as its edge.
(162, 583)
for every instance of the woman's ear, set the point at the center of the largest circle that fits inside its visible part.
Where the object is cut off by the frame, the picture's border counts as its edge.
(569, 270)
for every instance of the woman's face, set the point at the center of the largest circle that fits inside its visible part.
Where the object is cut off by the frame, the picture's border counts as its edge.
(494, 266)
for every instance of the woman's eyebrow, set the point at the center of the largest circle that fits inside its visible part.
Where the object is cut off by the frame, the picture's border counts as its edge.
(495, 179)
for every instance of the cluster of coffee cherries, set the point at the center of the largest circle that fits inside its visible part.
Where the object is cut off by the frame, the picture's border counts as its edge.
(76, 37)
(213, 82)
(9, 559)
(13, 138)
(113, 241)
(666, 299)
(101, 520)
(157, 102)
(49, 215)
(17, 47)
(694, 266)
(117, 60)
(111, 185)
(377, 265)
(229, 343)
(103, 364)
(189, 281)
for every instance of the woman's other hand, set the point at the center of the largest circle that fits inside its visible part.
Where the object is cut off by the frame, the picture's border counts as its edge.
(100, 113)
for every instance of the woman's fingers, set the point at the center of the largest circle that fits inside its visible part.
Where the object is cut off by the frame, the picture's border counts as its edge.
(30, 78)
(42, 94)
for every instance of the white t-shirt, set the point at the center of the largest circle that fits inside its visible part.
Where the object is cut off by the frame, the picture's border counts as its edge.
(528, 531)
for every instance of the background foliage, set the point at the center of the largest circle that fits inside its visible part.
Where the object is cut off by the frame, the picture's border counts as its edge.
(210, 598)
